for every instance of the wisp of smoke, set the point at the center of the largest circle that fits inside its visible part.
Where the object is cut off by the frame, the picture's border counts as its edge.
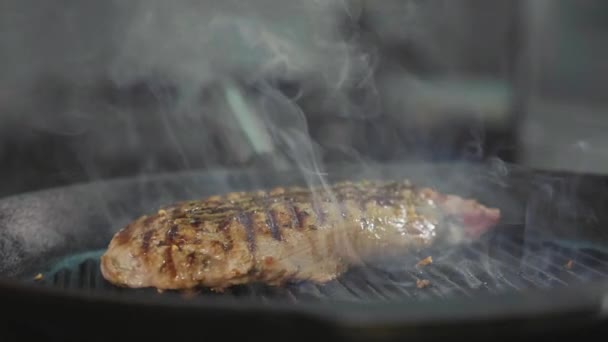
(243, 48)
(222, 62)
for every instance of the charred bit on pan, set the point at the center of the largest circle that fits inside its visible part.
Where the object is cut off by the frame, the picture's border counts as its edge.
(422, 283)
(424, 262)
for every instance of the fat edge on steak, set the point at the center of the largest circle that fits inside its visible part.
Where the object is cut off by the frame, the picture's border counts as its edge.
(284, 234)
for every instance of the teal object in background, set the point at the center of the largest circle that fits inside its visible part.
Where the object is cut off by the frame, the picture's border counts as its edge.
(565, 75)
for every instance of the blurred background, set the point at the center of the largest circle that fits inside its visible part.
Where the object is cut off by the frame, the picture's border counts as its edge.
(102, 89)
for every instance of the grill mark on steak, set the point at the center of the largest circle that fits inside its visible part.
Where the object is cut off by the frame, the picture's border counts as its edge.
(300, 216)
(145, 241)
(271, 221)
(296, 223)
(171, 234)
(246, 220)
(264, 201)
(169, 263)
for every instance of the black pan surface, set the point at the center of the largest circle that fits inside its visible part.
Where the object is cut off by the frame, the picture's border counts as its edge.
(39, 230)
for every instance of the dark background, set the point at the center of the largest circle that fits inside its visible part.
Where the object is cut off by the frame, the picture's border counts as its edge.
(446, 80)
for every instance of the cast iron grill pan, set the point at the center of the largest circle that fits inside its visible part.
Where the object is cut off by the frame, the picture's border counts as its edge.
(550, 233)
(542, 273)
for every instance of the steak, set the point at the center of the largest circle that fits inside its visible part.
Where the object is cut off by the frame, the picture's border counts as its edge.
(286, 234)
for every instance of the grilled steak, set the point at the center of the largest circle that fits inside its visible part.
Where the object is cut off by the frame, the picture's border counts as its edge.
(285, 234)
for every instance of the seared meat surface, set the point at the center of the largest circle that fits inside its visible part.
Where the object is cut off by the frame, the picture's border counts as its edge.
(285, 234)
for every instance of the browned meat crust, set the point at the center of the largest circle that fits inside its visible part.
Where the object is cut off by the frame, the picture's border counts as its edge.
(281, 235)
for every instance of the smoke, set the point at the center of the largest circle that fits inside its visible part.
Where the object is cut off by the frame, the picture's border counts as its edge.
(189, 84)
(146, 86)
(173, 83)
(197, 42)
(198, 84)
(244, 52)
